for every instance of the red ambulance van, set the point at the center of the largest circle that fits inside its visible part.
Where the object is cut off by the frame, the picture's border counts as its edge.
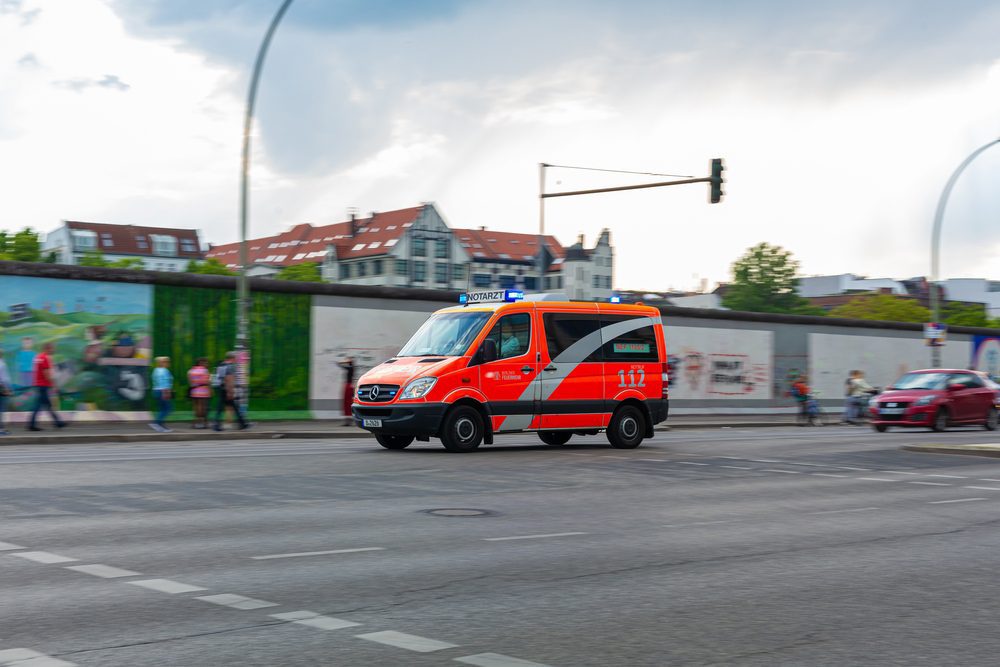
(503, 363)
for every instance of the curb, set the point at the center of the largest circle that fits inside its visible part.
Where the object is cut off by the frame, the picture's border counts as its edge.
(108, 438)
(992, 451)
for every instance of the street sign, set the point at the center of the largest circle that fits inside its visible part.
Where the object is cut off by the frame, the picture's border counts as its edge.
(935, 333)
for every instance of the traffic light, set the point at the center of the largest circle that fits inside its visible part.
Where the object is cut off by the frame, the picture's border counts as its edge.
(717, 180)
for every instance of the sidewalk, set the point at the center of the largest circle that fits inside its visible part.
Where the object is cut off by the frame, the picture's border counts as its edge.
(109, 432)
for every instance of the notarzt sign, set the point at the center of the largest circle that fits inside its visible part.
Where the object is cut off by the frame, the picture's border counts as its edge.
(492, 296)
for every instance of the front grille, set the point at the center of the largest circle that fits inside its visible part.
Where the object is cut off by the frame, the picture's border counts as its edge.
(377, 393)
(372, 412)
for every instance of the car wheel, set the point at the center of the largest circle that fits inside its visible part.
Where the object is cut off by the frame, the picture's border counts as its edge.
(881, 428)
(394, 441)
(992, 419)
(462, 430)
(940, 421)
(626, 428)
(555, 437)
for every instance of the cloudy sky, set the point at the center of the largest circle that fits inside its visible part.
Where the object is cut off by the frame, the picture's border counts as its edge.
(839, 121)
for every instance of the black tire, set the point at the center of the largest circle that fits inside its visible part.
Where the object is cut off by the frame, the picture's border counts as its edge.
(555, 437)
(394, 441)
(462, 430)
(940, 421)
(881, 428)
(627, 427)
(992, 420)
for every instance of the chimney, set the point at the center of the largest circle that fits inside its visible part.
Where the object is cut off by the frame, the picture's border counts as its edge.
(579, 240)
(353, 218)
(482, 228)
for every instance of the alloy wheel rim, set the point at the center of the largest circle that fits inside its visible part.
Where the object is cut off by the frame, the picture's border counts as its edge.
(465, 429)
(629, 427)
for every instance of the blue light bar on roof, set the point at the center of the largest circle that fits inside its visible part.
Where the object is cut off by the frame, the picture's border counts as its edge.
(491, 296)
(616, 299)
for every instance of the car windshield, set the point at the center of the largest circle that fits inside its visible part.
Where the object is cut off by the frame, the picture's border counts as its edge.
(921, 381)
(445, 335)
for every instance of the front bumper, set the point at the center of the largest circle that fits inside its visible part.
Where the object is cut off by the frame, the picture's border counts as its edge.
(416, 419)
(913, 416)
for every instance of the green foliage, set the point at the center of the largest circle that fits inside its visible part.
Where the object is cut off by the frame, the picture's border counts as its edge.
(885, 307)
(127, 263)
(94, 258)
(965, 315)
(764, 281)
(210, 266)
(308, 272)
(51, 257)
(23, 246)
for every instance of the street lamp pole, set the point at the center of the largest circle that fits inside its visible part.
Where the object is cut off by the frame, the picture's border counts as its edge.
(936, 244)
(243, 292)
(541, 226)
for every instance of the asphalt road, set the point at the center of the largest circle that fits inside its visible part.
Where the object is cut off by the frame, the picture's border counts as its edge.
(784, 546)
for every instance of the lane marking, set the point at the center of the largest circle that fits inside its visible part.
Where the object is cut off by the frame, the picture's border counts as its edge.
(827, 474)
(236, 601)
(931, 483)
(900, 472)
(738, 467)
(25, 657)
(982, 488)
(166, 586)
(409, 642)
(317, 553)
(958, 500)
(948, 476)
(103, 571)
(44, 557)
(314, 620)
(787, 472)
(623, 458)
(850, 468)
(988, 479)
(530, 537)
(654, 460)
(691, 463)
(696, 523)
(764, 461)
(877, 479)
(7, 546)
(496, 660)
(857, 509)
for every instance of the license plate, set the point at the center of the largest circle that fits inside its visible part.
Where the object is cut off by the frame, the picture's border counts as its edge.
(891, 411)
(372, 423)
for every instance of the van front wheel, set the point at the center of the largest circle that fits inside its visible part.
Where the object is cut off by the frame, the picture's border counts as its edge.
(626, 428)
(394, 441)
(555, 437)
(462, 430)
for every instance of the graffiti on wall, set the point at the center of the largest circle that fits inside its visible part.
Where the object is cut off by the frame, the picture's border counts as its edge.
(986, 355)
(719, 363)
(101, 334)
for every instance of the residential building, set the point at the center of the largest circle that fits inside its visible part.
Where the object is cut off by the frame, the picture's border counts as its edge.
(159, 248)
(978, 290)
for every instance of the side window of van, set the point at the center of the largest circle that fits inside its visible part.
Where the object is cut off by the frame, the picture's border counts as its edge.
(564, 329)
(636, 345)
(512, 335)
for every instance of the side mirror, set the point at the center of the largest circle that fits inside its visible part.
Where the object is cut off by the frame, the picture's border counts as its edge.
(488, 352)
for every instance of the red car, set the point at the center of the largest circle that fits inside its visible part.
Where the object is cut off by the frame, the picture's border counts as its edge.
(936, 399)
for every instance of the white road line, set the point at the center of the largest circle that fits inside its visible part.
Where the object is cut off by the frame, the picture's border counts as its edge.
(623, 458)
(317, 553)
(787, 472)
(696, 523)
(948, 476)
(25, 657)
(314, 620)
(236, 601)
(530, 537)
(850, 468)
(988, 479)
(7, 546)
(103, 571)
(409, 642)
(857, 509)
(496, 660)
(764, 461)
(931, 483)
(738, 467)
(166, 586)
(899, 472)
(982, 488)
(958, 500)
(827, 474)
(43, 557)
(877, 479)
(691, 463)
(654, 460)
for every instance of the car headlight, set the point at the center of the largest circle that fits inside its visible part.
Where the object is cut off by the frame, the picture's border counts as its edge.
(924, 400)
(417, 388)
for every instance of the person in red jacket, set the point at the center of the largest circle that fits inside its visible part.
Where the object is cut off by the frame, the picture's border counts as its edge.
(800, 392)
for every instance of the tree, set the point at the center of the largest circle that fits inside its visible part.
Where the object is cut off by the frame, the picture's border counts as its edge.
(127, 263)
(4, 242)
(885, 307)
(93, 258)
(24, 246)
(308, 272)
(764, 281)
(51, 257)
(210, 266)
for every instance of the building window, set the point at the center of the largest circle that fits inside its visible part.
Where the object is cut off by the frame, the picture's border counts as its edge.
(419, 272)
(597, 281)
(419, 247)
(141, 243)
(457, 272)
(530, 283)
(163, 245)
(362, 269)
(376, 267)
(481, 279)
(345, 271)
(507, 282)
(106, 240)
(84, 240)
(402, 267)
(442, 248)
(441, 273)
(187, 245)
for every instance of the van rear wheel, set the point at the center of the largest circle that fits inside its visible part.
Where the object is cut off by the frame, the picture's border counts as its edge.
(555, 437)
(627, 427)
(462, 430)
(394, 441)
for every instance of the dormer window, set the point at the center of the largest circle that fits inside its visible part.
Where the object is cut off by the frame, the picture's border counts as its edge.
(84, 239)
(164, 245)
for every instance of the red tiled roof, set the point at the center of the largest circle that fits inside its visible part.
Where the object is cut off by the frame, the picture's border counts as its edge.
(125, 239)
(376, 235)
(486, 244)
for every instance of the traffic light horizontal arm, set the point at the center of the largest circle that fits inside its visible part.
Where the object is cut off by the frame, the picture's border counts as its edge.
(627, 187)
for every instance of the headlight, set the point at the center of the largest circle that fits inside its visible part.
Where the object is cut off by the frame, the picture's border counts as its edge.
(417, 388)
(924, 400)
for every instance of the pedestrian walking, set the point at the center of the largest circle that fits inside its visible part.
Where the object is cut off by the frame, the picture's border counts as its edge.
(808, 408)
(163, 389)
(200, 391)
(225, 378)
(859, 393)
(848, 416)
(6, 390)
(43, 385)
(348, 365)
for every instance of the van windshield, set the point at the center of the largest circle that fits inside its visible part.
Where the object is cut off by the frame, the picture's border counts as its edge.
(445, 335)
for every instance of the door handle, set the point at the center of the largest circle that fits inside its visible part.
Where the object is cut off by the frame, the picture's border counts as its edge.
(526, 369)
(549, 368)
